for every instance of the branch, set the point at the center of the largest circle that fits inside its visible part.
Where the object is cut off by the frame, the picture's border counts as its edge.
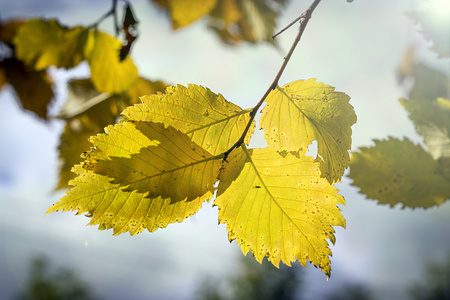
(111, 12)
(304, 18)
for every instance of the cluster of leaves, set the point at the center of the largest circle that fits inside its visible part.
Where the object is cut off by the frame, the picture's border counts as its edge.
(397, 171)
(167, 156)
(35, 45)
(29, 47)
(173, 151)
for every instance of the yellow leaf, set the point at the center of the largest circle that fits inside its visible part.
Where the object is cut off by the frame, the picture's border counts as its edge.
(151, 159)
(228, 11)
(246, 20)
(260, 18)
(207, 118)
(185, 12)
(303, 111)
(396, 171)
(87, 112)
(108, 74)
(164, 178)
(278, 206)
(109, 206)
(43, 43)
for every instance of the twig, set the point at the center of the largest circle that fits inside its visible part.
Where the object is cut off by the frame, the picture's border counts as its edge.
(287, 27)
(111, 12)
(304, 18)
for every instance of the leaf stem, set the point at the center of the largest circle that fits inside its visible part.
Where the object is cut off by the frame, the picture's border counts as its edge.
(304, 18)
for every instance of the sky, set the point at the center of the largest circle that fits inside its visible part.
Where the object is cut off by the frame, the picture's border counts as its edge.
(355, 47)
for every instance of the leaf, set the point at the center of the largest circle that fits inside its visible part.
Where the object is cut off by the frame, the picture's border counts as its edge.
(278, 207)
(397, 171)
(432, 121)
(207, 118)
(129, 28)
(33, 88)
(109, 74)
(248, 20)
(429, 83)
(429, 110)
(159, 160)
(303, 111)
(152, 159)
(260, 18)
(8, 30)
(109, 206)
(87, 112)
(227, 10)
(184, 12)
(43, 43)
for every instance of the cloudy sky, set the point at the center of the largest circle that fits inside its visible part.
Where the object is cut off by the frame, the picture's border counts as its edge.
(355, 47)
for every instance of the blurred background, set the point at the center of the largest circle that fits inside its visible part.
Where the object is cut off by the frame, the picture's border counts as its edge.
(377, 52)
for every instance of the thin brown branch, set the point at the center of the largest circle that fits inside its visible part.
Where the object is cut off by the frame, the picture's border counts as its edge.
(111, 12)
(287, 27)
(304, 18)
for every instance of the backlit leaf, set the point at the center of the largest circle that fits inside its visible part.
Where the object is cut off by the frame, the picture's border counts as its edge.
(87, 112)
(396, 171)
(184, 12)
(278, 206)
(43, 43)
(247, 20)
(260, 18)
(227, 10)
(152, 159)
(161, 162)
(432, 121)
(109, 206)
(109, 74)
(303, 111)
(207, 118)
(429, 109)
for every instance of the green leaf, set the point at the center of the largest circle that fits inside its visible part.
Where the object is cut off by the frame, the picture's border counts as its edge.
(207, 118)
(43, 43)
(396, 171)
(429, 109)
(278, 206)
(151, 159)
(303, 111)
(432, 121)
(109, 74)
